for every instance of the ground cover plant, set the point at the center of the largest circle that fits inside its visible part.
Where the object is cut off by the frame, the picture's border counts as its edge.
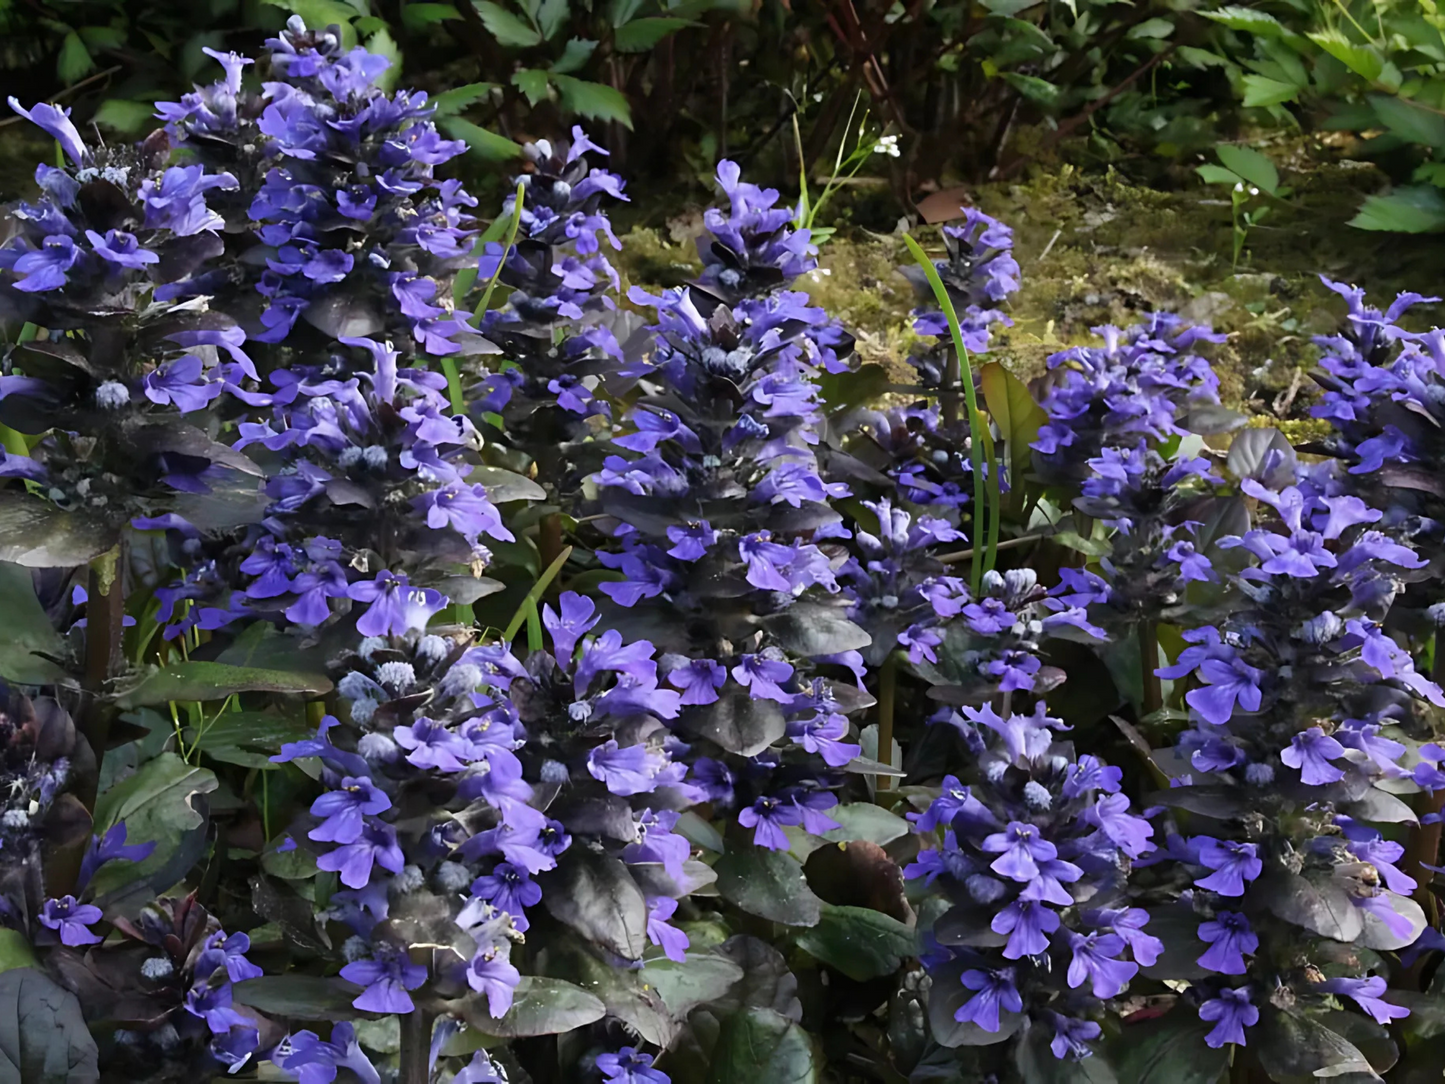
(425, 661)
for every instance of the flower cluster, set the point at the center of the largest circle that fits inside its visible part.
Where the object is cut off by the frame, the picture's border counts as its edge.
(1034, 860)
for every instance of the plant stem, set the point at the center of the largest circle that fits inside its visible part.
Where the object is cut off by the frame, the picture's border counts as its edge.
(1422, 843)
(1149, 662)
(104, 656)
(887, 690)
(414, 1063)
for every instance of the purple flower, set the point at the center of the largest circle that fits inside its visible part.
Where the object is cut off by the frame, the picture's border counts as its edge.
(996, 991)
(44, 268)
(344, 808)
(1071, 1037)
(627, 1066)
(1311, 752)
(1129, 924)
(1368, 994)
(353, 861)
(176, 383)
(1228, 682)
(121, 248)
(1026, 922)
(387, 978)
(432, 745)
(1095, 960)
(1020, 848)
(626, 770)
(110, 848)
(55, 122)
(578, 617)
(766, 817)
(1233, 864)
(509, 888)
(691, 543)
(1232, 1013)
(1128, 832)
(70, 919)
(230, 953)
(673, 941)
(315, 1061)
(762, 677)
(395, 606)
(1229, 938)
(466, 509)
(699, 680)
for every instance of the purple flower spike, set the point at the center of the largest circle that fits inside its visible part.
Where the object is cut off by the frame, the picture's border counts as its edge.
(1230, 939)
(70, 919)
(1072, 1037)
(578, 617)
(122, 249)
(699, 680)
(1231, 1012)
(387, 978)
(1311, 752)
(44, 268)
(395, 606)
(1229, 683)
(626, 770)
(376, 846)
(766, 817)
(996, 991)
(1233, 864)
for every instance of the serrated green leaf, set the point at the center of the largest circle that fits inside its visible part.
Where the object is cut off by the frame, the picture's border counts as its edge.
(1415, 209)
(124, 116)
(640, 35)
(1364, 60)
(207, 681)
(451, 102)
(1246, 19)
(574, 56)
(1260, 91)
(420, 16)
(594, 100)
(1035, 89)
(550, 17)
(102, 37)
(532, 83)
(1254, 167)
(506, 27)
(484, 144)
(621, 12)
(1408, 120)
(1151, 28)
(383, 44)
(75, 61)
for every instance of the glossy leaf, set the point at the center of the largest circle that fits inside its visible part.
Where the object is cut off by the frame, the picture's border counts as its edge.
(595, 895)
(858, 941)
(737, 722)
(758, 1045)
(769, 884)
(1170, 1050)
(27, 630)
(640, 35)
(43, 1035)
(541, 1006)
(299, 997)
(210, 681)
(506, 27)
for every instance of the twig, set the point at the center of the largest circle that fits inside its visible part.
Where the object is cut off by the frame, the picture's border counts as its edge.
(1068, 126)
(105, 74)
(1007, 544)
(1050, 246)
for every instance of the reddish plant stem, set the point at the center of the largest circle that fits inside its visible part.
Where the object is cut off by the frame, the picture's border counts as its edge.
(104, 656)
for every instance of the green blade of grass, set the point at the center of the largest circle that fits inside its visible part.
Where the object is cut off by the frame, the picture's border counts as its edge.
(535, 594)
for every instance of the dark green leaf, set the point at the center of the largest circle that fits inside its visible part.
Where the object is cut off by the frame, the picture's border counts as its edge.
(420, 16)
(595, 100)
(124, 116)
(1264, 454)
(858, 941)
(1291, 1044)
(640, 35)
(758, 1045)
(541, 1006)
(1319, 904)
(595, 895)
(15, 950)
(550, 17)
(36, 534)
(249, 738)
(699, 979)
(620, 12)
(504, 485)
(1364, 60)
(737, 722)
(157, 804)
(1039, 91)
(813, 629)
(864, 820)
(43, 1037)
(1012, 407)
(627, 995)
(1237, 17)
(769, 884)
(206, 681)
(1411, 122)
(766, 983)
(27, 630)
(299, 997)
(75, 61)
(506, 27)
(1416, 209)
(1170, 1050)
(1262, 91)
(1368, 1037)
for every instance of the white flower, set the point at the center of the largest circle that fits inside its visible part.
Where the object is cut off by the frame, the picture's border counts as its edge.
(887, 145)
